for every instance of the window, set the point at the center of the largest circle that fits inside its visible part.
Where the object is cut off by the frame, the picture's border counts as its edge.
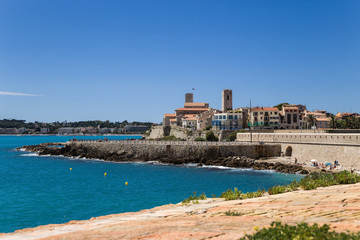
(227, 97)
(230, 116)
(235, 116)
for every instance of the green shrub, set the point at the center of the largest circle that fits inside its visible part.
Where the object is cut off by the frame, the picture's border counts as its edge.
(208, 128)
(199, 139)
(312, 181)
(231, 195)
(232, 213)
(258, 193)
(232, 135)
(210, 136)
(301, 231)
(170, 138)
(277, 189)
(315, 180)
(194, 199)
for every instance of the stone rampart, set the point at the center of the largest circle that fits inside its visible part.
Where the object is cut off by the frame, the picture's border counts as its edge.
(306, 146)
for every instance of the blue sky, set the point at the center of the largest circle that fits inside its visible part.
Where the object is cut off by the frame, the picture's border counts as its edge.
(135, 60)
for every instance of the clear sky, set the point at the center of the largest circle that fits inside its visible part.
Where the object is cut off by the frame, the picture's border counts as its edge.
(135, 60)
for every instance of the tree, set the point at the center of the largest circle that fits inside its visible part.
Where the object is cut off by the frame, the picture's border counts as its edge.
(279, 106)
(210, 136)
(333, 123)
(311, 120)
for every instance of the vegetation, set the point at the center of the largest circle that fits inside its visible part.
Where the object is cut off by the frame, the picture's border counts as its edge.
(170, 138)
(194, 199)
(232, 135)
(312, 181)
(310, 121)
(208, 128)
(345, 123)
(210, 136)
(53, 126)
(232, 213)
(279, 106)
(199, 139)
(300, 231)
(237, 194)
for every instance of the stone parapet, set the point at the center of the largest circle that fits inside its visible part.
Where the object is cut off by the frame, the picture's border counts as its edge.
(302, 138)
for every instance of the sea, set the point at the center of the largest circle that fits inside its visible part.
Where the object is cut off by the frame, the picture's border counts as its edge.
(38, 190)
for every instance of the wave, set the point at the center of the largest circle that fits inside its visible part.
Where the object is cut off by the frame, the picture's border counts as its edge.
(29, 155)
(189, 165)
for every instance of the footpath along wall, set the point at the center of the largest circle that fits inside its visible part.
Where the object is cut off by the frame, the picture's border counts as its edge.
(306, 146)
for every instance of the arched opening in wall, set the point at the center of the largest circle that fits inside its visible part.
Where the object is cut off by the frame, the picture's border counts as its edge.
(288, 151)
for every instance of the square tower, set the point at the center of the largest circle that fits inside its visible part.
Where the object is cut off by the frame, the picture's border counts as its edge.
(189, 98)
(226, 100)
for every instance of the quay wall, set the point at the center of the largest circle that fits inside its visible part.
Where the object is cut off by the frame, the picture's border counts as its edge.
(320, 146)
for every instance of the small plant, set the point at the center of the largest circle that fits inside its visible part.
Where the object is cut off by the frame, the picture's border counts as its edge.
(277, 189)
(301, 231)
(258, 193)
(199, 139)
(170, 138)
(312, 181)
(208, 128)
(194, 199)
(231, 195)
(232, 213)
(210, 136)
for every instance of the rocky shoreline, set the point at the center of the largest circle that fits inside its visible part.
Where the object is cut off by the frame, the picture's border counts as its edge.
(127, 154)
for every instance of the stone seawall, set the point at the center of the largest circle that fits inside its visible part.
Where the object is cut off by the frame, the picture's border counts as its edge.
(324, 147)
(219, 154)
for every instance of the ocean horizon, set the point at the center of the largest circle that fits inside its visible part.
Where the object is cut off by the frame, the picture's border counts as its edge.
(38, 190)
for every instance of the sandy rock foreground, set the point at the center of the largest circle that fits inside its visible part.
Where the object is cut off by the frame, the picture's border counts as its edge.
(338, 206)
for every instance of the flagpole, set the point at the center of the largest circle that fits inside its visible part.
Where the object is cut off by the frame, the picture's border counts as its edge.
(250, 124)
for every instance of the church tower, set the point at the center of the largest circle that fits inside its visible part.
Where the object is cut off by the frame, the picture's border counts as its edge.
(226, 103)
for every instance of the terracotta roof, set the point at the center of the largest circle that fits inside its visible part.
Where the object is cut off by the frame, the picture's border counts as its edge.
(190, 115)
(169, 115)
(265, 109)
(172, 120)
(323, 119)
(190, 119)
(285, 107)
(192, 109)
(195, 104)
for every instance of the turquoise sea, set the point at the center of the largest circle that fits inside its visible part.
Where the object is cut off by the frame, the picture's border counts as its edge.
(38, 190)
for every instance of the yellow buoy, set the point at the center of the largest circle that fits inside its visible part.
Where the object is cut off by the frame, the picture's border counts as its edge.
(126, 183)
(105, 174)
(70, 169)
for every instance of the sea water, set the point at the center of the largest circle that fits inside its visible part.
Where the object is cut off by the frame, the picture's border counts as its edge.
(37, 190)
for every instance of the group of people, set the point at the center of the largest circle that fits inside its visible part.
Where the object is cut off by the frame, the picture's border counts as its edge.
(321, 165)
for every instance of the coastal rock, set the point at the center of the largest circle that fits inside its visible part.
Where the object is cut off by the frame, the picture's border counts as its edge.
(236, 156)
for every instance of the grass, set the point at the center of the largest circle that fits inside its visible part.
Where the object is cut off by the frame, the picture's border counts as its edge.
(301, 231)
(312, 181)
(194, 199)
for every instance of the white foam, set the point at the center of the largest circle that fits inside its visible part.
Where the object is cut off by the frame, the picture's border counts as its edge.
(29, 155)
